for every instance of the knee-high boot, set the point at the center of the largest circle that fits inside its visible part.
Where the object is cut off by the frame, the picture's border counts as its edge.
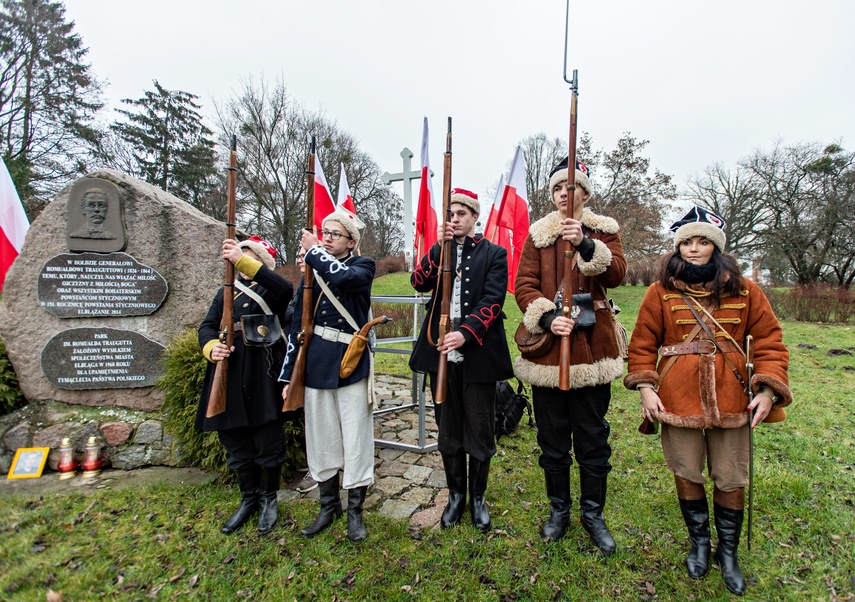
(696, 514)
(330, 507)
(558, 492)
(248, 481)
(455, 477)
(268, 512)
(478, 473)
(356, 530)
(728, 525)
(593, 500)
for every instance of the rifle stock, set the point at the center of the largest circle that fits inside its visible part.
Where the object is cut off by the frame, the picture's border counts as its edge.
(749, 364)
(297, 385)
(445, 267)
(569, 250)
(219, 385)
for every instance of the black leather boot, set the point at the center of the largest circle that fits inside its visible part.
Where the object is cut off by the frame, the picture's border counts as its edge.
(728, 525)
(455, 477)
(558, 492)
(356, 530)
(478, 473)
(268, 512)
(593, 500)
(248, 481)
(330, 507)
(696, 513)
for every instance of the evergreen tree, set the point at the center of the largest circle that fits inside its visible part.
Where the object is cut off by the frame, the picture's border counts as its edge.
(169, 142)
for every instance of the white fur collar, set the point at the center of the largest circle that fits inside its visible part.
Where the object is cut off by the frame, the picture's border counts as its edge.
(545, 230)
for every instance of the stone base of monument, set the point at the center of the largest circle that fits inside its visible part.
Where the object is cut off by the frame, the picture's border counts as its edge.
(132, 439)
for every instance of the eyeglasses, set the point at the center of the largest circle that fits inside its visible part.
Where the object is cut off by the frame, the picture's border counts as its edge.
(334, 235)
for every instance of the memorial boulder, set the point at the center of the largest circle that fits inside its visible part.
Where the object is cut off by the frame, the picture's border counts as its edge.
(110, 272)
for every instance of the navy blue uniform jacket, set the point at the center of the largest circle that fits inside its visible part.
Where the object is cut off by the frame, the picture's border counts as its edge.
(350, 280)
(483, 279)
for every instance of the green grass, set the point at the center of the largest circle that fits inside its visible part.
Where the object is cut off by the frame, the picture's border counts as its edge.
(164, 543)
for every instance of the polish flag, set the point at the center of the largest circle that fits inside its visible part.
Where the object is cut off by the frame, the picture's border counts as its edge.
(344, 198)
(513, 214)
(500, 236)
(13, 223)
(323, 199)
(426, 221)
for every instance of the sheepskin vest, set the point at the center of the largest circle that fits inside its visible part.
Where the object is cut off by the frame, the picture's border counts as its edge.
(594, 355)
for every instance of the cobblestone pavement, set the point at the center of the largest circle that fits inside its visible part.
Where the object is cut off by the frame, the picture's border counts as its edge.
(407, 483)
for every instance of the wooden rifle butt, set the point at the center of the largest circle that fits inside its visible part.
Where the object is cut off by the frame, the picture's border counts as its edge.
(564, 365)
(219, 386)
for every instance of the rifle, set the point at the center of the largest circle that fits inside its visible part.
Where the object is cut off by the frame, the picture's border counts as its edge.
(445, 266)
(749, 365)
(297, 386)
(569, 250)
(219, 386)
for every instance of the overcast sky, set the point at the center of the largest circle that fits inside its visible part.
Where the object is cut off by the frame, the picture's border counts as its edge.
(705, 82)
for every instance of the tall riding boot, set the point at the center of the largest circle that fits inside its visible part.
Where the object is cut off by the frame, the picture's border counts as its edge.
(593, 500)
(728, 525)
(558, 492)
(248, 480)
(356, 530)
(696, 514)
(478, 473)
(455, 477)
(268, 512)
(330, 507)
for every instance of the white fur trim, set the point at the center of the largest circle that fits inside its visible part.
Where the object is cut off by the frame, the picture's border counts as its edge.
(263, 256)
(535, 311)
(599, 263)
(547, 229)
(585, 375)
(467, 200)
(712, 233)
(562, 176)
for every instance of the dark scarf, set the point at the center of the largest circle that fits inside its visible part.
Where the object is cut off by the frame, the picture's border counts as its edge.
(695, 274)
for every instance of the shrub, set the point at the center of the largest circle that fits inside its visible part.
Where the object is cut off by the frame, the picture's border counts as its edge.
(390, 265)
(813, 303)
(641, 271)
(11, 397)
(183, 376)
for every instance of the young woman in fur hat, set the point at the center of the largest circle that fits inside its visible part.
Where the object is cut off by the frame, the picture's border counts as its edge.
(576, 418)
(251, 427)
(693, 390)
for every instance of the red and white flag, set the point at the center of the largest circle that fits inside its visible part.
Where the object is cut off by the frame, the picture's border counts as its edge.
(500, 236)
(426, 221)
(323, 199)
(513, 214)
(344, 198)
(13, 223)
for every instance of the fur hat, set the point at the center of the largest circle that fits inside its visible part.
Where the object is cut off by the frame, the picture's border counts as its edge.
(466, 197)
(700, 222)
(262, 248)
(351, 223)
(559, 174)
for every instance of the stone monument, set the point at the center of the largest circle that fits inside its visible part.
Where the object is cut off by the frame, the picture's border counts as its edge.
(109, 273)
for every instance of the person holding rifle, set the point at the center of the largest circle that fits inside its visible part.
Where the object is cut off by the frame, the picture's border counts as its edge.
(686, 360)
(574, 419)
(250, 428)
(477, 353)
(338, 413)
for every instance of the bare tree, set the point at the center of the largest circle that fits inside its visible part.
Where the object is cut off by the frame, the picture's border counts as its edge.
(807, 191)
(541, 154)
(735, 197)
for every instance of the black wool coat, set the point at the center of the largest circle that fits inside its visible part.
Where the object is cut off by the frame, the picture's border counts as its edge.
(254, 396)
(484, 280)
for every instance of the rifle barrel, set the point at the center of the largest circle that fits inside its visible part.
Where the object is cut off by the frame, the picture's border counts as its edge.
(445, 263)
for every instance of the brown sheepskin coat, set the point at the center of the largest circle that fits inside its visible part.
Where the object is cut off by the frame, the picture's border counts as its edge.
(594, 354)
(701, 391)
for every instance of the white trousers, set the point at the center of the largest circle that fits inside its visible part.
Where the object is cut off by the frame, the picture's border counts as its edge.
(340, 434)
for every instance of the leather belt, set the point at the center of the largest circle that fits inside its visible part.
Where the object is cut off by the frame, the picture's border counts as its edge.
(333, 335)
(238, 327)
(704, 347)
(600, 304)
